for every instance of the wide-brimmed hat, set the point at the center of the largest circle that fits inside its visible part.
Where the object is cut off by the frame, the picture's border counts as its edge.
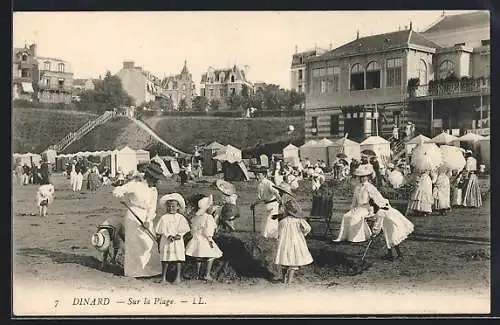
(174, 197)
(225, 187)
(205, 203)
(292, 208)
(101, 240)
(154, 170)
(284, 188)
(364, 170)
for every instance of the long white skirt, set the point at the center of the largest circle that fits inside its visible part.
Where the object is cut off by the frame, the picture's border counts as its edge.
(354, 227)
(270, 229)
(72, 180)
(142, 257)
(395, 226)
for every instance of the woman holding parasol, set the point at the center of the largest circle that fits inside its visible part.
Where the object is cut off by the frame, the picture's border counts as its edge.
(426, 158)
(142, 258)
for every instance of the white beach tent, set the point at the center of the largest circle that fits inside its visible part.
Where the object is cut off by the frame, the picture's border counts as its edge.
(50, 155)
(210, 165)
(229, 153)
(472, 138)
(126, 160)
(446, 138)
(348, 147)
(412, 143)
(379, 145)
(143, 156)
(291, 155)
(315, 151)
(304, 149)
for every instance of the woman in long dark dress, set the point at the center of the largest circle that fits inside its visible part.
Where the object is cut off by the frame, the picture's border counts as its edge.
(44, 172)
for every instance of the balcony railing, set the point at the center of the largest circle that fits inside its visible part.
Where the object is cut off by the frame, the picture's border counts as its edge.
(451, 88)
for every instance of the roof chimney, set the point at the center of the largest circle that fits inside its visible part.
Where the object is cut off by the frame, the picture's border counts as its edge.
(411, 25)
(442, 14)
(315, 46)
(357, 34)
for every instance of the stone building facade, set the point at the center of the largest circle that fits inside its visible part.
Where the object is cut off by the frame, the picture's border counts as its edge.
(361, 88)
(221, 83)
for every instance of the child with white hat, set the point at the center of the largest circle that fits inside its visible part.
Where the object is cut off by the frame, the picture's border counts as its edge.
(292, 250)
(202, 246)
(229, 211)
(44, 197)
(171, 229)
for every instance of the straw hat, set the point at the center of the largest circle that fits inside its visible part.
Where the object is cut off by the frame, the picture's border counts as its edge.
(174, 197)
(101, 240)
(225, 187)
(364, 170)
(204, 204)
(284, 188)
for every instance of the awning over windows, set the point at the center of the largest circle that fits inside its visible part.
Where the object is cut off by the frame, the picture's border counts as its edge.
(27, 87)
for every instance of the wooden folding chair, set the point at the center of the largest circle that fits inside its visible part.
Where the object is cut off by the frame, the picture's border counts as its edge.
(321, 211)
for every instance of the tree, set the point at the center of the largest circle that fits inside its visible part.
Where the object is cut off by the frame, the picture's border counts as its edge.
(200, 103)
(235, 102)
(107, 95)
(162, 104)
(183, 105)
(214, 104)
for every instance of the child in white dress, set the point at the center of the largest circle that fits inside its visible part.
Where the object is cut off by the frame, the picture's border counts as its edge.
(292, 250)
(44, 197)
(171, 229)
(395, 226)
(202, 246)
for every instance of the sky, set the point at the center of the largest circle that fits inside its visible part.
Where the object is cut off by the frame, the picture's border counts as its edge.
(95, 42)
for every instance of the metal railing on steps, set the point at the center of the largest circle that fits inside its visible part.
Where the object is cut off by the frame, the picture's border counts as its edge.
(82, 131)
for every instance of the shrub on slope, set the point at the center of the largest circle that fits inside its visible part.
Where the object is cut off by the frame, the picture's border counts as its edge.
(33, 130)
(115, 133)
(184, 133)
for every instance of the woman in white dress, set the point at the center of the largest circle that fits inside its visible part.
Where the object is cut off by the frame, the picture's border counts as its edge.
(268, 195)
(171, 229)
(202, 246)
(292, 251)
(72, 176)
(142, 258)
(354, 227)
(441, 191)
(421, 199)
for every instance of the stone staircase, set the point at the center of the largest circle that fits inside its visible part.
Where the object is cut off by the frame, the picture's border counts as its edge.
(82, 131)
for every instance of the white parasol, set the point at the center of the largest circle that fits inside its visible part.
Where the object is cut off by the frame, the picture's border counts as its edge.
(452, 157)
(426, 157)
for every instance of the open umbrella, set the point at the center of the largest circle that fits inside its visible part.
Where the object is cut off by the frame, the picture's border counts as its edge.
(426, 157)
(452, 157)
(369, 152)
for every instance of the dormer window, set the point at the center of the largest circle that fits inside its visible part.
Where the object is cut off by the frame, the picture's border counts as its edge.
(232, 78)
(24, 57)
